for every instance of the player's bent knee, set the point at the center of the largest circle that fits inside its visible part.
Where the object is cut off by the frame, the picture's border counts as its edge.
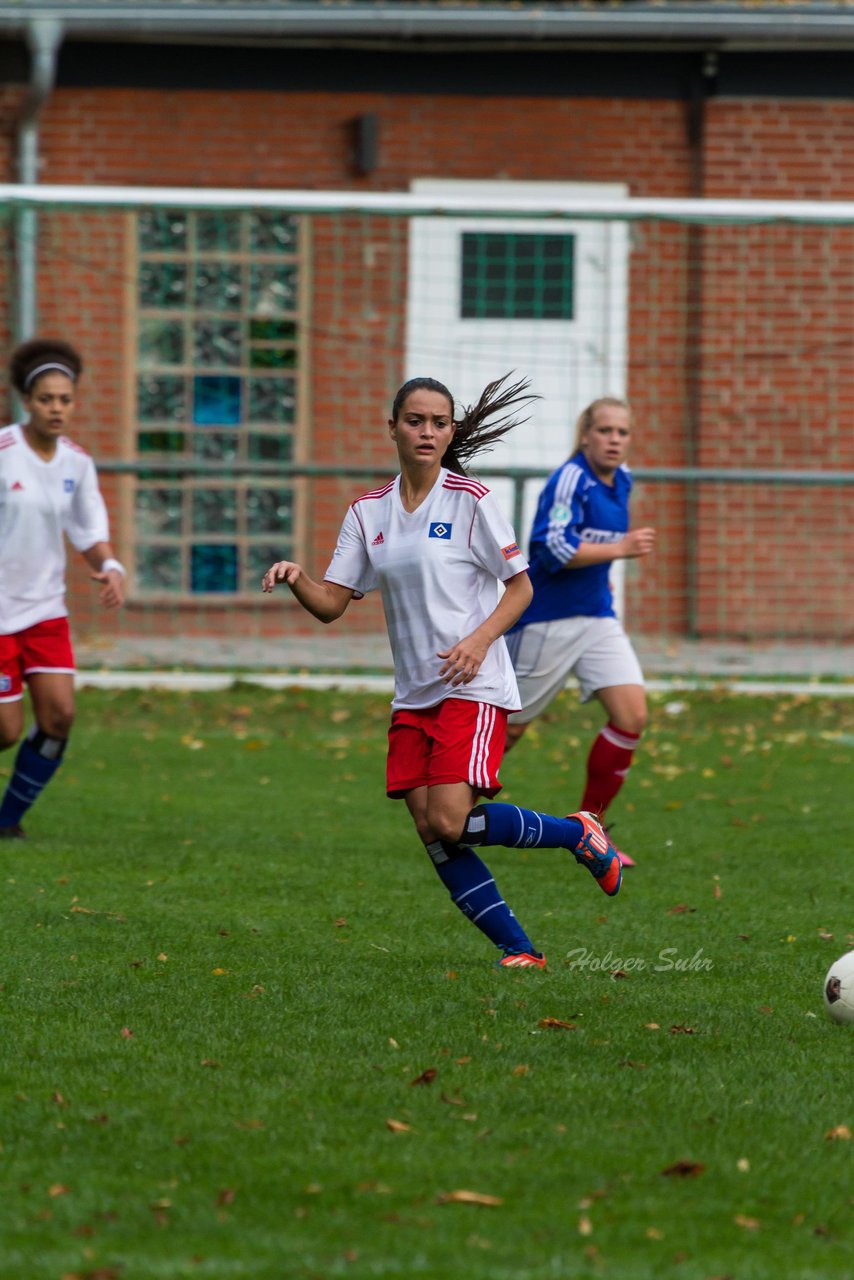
(57, 722)
(446, 826)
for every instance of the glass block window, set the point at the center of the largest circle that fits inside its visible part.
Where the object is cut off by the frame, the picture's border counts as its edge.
(219, 369)
(516, 276)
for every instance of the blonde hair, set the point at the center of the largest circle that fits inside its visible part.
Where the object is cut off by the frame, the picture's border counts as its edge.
(585, 418)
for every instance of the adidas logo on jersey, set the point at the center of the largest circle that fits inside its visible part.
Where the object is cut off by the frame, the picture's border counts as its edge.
(378, 540)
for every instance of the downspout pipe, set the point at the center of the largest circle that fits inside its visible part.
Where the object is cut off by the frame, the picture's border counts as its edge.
(44, 37)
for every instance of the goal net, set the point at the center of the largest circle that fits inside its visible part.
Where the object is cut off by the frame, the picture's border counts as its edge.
(242, 350)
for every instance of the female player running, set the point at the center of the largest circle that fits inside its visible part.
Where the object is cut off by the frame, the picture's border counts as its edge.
(581, 527)
(48, 488)
(436, 545)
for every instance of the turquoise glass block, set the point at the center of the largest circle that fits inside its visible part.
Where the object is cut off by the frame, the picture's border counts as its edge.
(161, 399)
(214, 511)
(216, 401)
(160, 342)
(272, 400)
(213, 567)
(158, 512)
(269, 510)
(162, 285)
(217, 232)
(272, 232)
(218, 286)
(162, 231)
(158, 568)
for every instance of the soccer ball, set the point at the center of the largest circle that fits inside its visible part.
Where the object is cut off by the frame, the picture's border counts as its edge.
(838, 989)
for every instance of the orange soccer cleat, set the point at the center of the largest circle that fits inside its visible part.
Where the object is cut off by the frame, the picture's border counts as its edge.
(595, 852)
(521, 960)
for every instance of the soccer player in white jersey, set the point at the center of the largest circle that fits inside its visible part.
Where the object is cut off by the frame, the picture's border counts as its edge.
(436, 545)
(48, 490)
(580, 528)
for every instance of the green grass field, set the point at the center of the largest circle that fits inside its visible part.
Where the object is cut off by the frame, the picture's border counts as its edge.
(246, 1034)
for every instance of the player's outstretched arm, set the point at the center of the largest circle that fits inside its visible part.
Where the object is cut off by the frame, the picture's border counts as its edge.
(326, 601)
(638, 542)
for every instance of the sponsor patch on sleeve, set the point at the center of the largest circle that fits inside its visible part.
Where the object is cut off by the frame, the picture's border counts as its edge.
(510, 551)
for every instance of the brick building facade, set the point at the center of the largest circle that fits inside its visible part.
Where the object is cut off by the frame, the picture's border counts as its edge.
(734, 346)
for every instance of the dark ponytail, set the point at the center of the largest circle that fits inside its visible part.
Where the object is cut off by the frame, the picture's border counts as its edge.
(485, 423)
(473, 433)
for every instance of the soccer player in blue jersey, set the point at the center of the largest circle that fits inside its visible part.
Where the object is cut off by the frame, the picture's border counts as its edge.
(581, 527)
(435, 543)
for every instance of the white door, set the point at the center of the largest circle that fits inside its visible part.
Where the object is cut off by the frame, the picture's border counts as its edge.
(465, 325)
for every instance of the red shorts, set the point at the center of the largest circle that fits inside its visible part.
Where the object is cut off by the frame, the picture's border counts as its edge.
(43, 647)
(455, 741)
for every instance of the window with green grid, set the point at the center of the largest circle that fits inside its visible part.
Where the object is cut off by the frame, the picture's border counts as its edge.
(218, 382)
(517, 276)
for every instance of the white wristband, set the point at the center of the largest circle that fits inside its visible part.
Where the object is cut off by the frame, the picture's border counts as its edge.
(112, 563)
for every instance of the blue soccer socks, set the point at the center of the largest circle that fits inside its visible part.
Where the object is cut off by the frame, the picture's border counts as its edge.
(517, 828)
(39, 756)
(473, 889)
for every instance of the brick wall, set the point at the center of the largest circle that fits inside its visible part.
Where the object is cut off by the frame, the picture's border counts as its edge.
(750, 401)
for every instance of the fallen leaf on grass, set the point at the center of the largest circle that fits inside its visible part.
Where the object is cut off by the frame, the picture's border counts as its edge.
(226, 1196)
(679, 1029)
(57, 1189)
(684, 1169)
(521, 1070)
(585, 1226)
(468, 1197)
(453, 1102)
(680, 909)
(556, 1022)
(749, 1224)
(640, 1066)
(841, 1131)
(398, 1126)
(57, 1097)
(426, 1077)
(619, 973)
(126, 1033)
(654, 1233)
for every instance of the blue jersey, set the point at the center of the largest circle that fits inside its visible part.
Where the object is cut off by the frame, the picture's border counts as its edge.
(575, 507)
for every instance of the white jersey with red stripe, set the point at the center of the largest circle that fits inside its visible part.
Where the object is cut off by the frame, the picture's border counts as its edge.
(437, 569)
(39, 502)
